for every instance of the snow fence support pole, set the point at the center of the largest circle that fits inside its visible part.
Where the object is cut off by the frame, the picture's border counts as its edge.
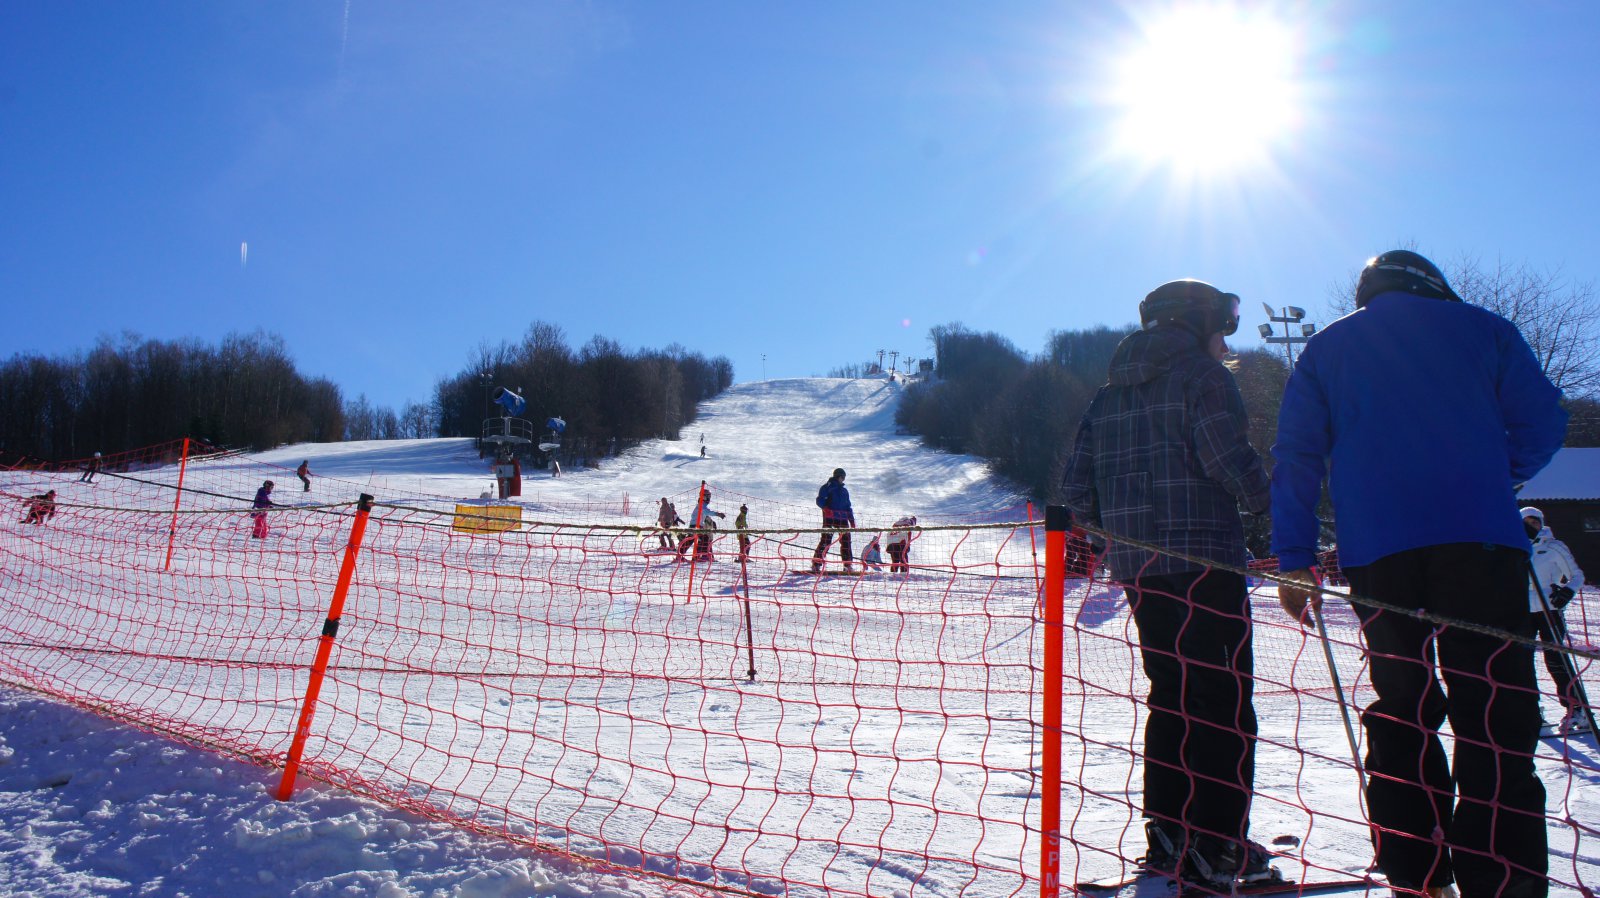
(330, 629)
(1033, 541)
(1056, 523)
(172, 532)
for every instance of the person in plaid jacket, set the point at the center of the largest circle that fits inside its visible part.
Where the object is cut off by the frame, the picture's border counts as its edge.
(1162, 461)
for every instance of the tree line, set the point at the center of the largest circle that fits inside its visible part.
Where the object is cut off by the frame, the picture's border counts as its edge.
(131, 392)
(245, 392)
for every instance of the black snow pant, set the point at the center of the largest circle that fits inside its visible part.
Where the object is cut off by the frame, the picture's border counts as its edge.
(1484, 826)
(307, 481)
(1200, 734)
(899, 558)
(830, 526)
(1552, 630)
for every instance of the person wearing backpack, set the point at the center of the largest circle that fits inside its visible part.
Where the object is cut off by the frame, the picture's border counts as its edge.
(834, 500)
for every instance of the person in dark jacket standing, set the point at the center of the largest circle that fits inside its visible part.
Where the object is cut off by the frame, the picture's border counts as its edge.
(1417, 400)
(837, 515)
(1162, 457)
(262, 501)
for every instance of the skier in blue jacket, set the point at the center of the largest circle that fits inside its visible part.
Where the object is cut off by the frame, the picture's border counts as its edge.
(1419, 401)
(837, 515)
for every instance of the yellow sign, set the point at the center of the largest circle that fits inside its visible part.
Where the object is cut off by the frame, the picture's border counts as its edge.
(487, 518)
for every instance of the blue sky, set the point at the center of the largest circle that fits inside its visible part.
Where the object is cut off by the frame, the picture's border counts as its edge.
(812, 182)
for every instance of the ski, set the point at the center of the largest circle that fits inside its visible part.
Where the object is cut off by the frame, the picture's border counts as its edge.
(1159, 884)
(824, 573)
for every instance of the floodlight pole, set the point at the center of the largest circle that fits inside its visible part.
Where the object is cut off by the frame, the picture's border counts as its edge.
(1289, 317)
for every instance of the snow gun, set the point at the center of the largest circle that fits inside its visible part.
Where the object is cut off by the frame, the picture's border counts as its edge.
(513, 404)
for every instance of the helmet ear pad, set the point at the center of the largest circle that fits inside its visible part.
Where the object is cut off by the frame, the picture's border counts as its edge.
(1402, 271)
(1193, 305)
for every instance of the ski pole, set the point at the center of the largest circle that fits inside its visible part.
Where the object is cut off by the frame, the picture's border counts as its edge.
(1344, 708)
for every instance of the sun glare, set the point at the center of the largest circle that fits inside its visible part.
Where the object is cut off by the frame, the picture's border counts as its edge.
(1207, 89)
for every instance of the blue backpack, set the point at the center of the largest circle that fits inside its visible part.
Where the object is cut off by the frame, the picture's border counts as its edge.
(825, 494)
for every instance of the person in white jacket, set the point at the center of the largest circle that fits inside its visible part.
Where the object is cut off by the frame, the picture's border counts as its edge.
(1561, 578)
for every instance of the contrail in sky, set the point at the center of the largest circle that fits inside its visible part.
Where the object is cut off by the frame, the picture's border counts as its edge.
(344, 35)
(244, 254)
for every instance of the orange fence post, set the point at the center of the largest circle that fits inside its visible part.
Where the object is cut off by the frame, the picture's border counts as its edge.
(330, 629)
(1056, 522)
(177, 497)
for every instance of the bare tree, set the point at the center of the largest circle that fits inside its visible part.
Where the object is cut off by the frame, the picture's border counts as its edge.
(1559, 317)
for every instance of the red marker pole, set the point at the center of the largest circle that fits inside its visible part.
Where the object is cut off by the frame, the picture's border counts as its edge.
(172, 532)
(330, 629)
(1057, 520)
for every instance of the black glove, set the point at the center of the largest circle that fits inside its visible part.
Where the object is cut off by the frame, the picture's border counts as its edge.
(1560, 596)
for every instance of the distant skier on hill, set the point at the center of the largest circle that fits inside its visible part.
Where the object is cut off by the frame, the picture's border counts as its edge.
(837, 515)
(304, 473)
(91, 469)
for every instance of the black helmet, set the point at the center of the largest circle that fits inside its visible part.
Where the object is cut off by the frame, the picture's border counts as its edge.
(1402, 271)
(1191, 304)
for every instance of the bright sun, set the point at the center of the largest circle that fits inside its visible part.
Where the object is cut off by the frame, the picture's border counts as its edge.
(1207, 89)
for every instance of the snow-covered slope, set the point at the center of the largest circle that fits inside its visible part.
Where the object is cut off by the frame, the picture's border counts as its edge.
(775, 441)
(93, 808)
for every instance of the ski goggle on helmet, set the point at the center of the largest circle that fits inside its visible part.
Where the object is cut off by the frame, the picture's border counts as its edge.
(1194, 305)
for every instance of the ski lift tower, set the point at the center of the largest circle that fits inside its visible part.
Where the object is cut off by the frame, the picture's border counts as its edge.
(509, 433)
(1291, 316)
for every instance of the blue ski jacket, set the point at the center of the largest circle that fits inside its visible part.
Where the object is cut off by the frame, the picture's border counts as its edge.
(1423, 414)
(834, 500)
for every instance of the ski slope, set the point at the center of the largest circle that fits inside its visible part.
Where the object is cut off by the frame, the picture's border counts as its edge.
(808, 749)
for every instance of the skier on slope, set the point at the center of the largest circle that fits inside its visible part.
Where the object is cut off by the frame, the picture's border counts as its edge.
(262, 501)
(1561, 578)
(40, 508)
(899, 545)
(666, 519)
(837, 516)
(91, 469)
(742, 525)
(1182, 492)
(304, 473)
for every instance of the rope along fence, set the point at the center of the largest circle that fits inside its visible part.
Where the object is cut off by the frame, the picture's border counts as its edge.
(969, 726)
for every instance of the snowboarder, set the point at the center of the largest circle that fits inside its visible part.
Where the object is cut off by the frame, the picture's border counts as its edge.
(40, 508)
(837, 516)
(702, 521)
(91, 469)
(899, 545)
(1561, 578)
(1193, 619)
(304, 473)
(702, 450)
(1423, 402)
(262, 501)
